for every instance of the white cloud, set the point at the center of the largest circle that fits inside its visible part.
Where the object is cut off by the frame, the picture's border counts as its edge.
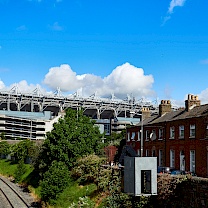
(175, 3)
(22, 87)
(123, 80)
(62, 77)
(203, 96)
(2, 85)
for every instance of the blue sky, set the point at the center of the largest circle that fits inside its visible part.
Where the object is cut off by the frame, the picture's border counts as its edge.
(156, 49)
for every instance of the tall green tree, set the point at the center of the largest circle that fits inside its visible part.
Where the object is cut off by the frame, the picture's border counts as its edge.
(71, 138)
(21, 150)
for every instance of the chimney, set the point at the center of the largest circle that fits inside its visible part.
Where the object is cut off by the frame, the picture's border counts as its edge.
(164, 107)
(145, 113)
(192, 102)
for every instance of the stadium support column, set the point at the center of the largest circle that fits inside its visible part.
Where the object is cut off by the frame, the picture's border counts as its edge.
(98, 113)
(8, 103)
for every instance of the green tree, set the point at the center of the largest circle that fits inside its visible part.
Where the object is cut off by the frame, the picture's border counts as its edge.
(4, 148)
(71, 138)
(54, 181)
(21, 149)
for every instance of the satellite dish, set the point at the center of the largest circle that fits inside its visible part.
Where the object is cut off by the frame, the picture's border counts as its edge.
(152, 136)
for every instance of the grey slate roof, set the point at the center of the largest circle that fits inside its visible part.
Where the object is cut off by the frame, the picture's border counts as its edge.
(180, 114)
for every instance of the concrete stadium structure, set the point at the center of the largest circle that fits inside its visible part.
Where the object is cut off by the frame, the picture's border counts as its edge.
(113, 113)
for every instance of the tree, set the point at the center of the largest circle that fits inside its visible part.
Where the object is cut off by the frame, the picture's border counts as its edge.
(54, 181)
(72, 137)
(4, 148)
(21, 150)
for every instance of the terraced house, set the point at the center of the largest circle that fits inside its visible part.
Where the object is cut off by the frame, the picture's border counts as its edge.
(178, 138)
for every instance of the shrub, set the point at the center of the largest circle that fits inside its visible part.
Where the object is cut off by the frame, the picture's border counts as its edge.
(55, 180)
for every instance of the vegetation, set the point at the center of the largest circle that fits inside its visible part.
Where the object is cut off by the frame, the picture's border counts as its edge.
(70, 168)
(72, 137)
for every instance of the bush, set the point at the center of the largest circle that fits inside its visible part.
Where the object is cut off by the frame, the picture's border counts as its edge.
(55, 180)
(21, 169)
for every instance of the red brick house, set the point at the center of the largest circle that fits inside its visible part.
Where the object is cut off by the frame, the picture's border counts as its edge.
(178, 138)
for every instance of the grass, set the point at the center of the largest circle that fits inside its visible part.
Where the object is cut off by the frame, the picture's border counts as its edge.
(8, 169)
(72, 194)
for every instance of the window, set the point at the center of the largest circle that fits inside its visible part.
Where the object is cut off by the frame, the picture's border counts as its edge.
(181, 132)
(172, 132)
(139, 136)
(128, 136)
(147, 135)
(160, 158)
(192, 130)
(192, 161)
(160, 134)
(133, 136)
(153, 135)
(138, 152)
(153, 153)
(207, 131)
(172, 158)
(147, 152)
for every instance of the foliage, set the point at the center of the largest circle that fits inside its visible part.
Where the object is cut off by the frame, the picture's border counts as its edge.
(87, 169)
(21, 169)
(9, 169)
(73, 192)
(84, 202)
(55, 180)
(115, 138)
(5, 148)
(21, 150)
(2, 136)
(71, 138)
(116, 197)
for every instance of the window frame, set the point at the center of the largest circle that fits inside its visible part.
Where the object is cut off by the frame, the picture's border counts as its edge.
(192, 161)
(172, 158)
(161, 134)
(147, 135)
(172, 132)
(192, 130)
(160, 158)
(133, 134)
(181, 132)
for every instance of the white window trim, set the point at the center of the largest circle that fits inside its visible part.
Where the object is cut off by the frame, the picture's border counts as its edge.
(128, 136)
(161, 136)
(172, 131)
(139, 136)
(192, 162)
(147, 153)
(181, 129)
(172, 158)
(147, 135)
(133, 134)
(192, 127)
